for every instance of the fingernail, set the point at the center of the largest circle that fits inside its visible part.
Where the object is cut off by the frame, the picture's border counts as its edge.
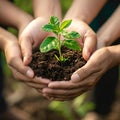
(75, 77)
(86, 54)
(25, 60)
(30, 73)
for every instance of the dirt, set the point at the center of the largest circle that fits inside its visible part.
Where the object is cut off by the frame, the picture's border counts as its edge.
(47, 66)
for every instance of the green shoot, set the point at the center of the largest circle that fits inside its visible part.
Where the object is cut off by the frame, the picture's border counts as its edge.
(57, 41)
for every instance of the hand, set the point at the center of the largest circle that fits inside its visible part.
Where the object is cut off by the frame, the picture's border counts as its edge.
(20, 71)
(13, 55)
(83, 79)
(31, 38)
(12, 52)
(88, 40)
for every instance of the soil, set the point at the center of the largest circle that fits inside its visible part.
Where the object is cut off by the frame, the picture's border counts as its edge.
(45, 65)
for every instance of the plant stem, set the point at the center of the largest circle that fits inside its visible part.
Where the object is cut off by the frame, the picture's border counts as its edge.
(59, 48)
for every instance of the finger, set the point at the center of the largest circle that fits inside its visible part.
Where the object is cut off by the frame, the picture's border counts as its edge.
(26, 48)
(80, 74)
(37, 80)
(90, 44)
(41, 80)
(83, 72)
(63, 85)
(18, 76)
(39, 91)
(14, 60)
(63, 92)
(64, 98)
(89, 70)
(18, 65)
(36, 85)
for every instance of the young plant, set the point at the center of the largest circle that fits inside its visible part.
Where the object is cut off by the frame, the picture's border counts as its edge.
(61, 38)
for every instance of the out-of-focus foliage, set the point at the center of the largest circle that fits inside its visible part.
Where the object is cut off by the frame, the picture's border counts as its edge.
(63, 108)
(70, 109)
(65, 5)
(25, 5)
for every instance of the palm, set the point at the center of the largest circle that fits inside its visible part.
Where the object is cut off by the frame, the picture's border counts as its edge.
(88, 38)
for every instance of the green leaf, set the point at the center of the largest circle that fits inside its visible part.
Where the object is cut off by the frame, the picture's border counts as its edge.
(72, 44)
(71, 35)
(48, 28)
(65, 24)
(48, 44)
(54, 20)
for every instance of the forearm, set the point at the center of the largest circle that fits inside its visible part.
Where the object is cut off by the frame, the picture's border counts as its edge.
(6, 38)
(110, 31)
(85, 10)
(13, 16)
(47, 8)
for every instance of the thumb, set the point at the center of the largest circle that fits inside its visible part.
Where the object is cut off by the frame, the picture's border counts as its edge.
(25, 70)
(26, 49)
(14, 60)
(90, 43)
(80, 74)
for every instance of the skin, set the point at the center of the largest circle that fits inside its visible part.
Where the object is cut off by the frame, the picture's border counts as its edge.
(101, 60)
(9, 44)
(11, 48)
(8, 19)
(110, 31)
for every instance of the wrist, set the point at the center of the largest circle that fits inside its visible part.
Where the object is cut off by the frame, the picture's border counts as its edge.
(115, 53)
(25, 20)
(6, 38)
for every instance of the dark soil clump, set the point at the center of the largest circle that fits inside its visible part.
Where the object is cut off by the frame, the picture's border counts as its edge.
(45, 65)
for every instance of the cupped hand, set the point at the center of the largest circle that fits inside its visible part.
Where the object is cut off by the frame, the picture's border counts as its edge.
(14, 60)
(88, 39)
(83, 79)
(31, 37)
(20, 71)
(13, 54)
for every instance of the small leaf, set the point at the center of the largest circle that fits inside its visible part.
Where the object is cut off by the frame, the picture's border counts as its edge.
(65, 24)
(54, 20)
(72, 44)
(74, 34)
(48, 44)
(70, 35)
(48, 28)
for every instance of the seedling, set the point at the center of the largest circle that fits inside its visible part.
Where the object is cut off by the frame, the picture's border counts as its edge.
(61, 38)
